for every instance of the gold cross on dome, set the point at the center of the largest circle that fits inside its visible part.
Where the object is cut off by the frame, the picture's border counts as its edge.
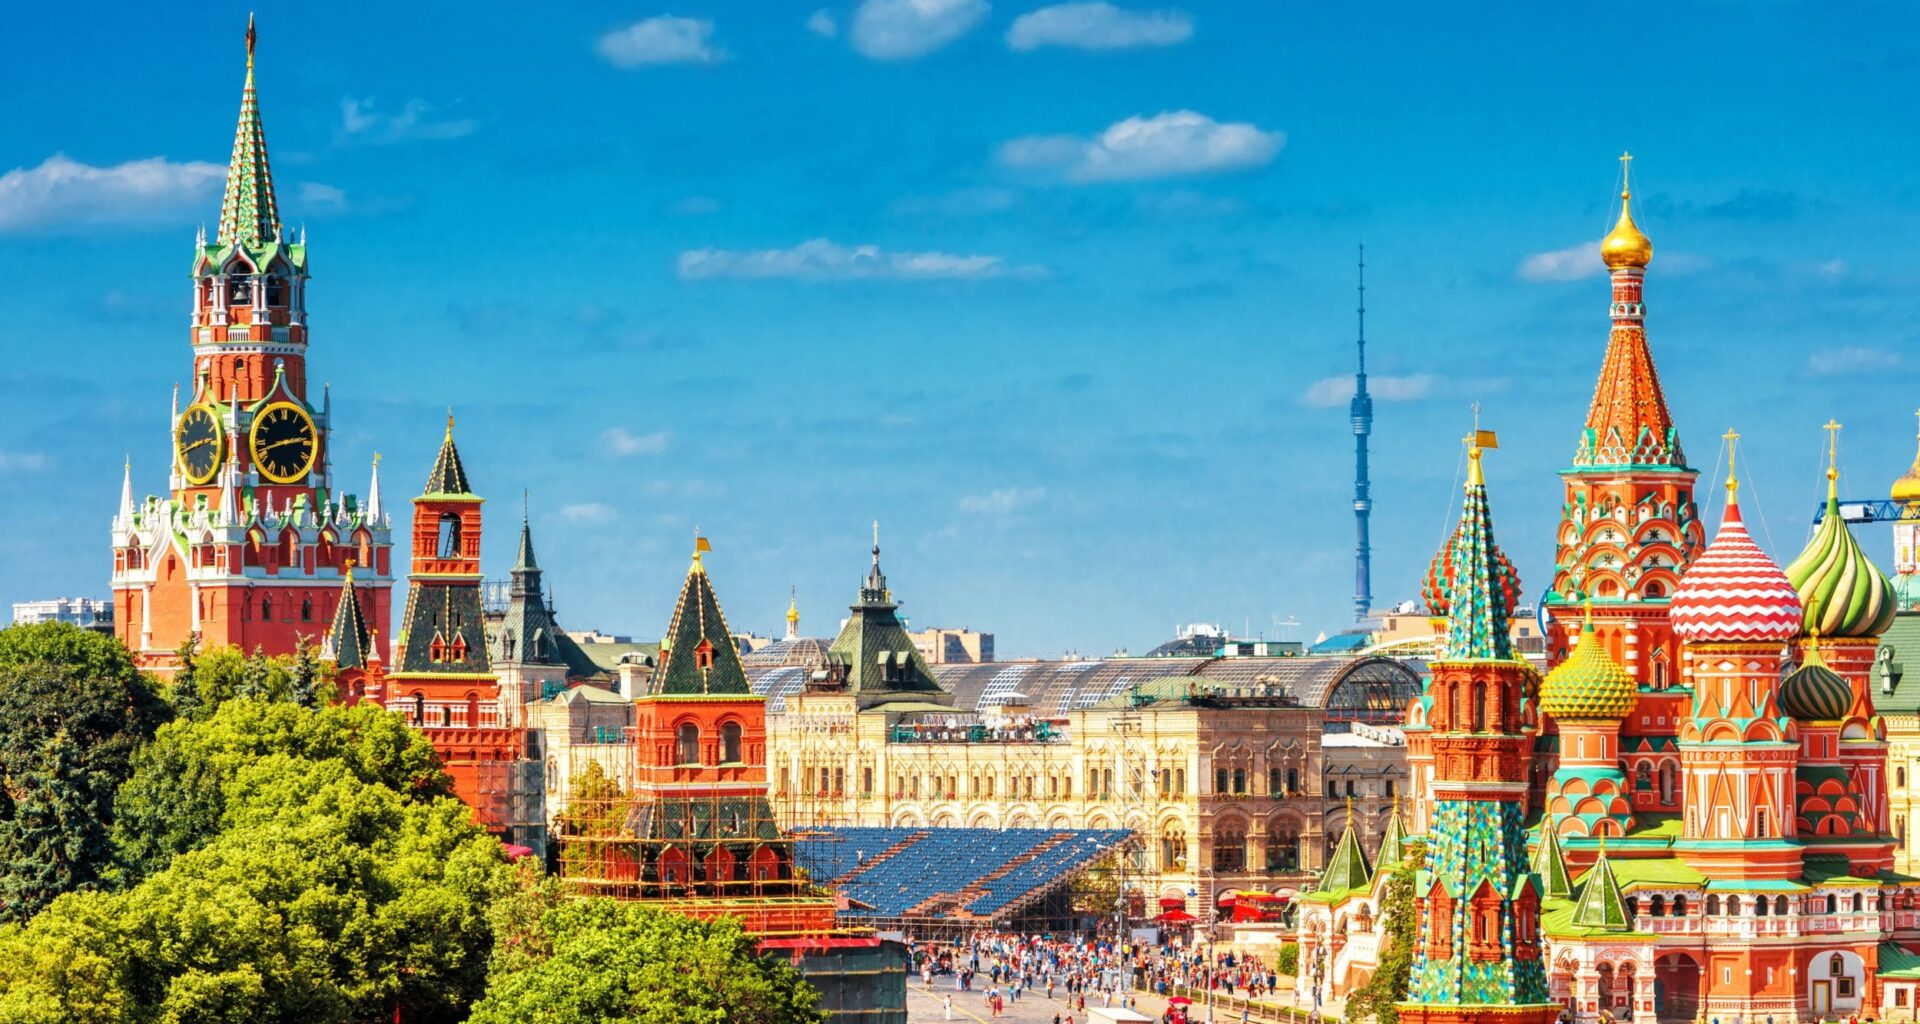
(1626, 166)
(1732, 437)
(1833, 444)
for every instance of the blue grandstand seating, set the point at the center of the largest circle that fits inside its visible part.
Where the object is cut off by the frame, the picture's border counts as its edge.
(928, 863)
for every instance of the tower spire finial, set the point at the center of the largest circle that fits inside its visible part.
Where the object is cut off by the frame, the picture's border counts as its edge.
(1833, 457)
(1626, 245)
(1732, 437)
(251, 36)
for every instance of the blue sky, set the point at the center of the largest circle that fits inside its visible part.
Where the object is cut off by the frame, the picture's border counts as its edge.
(1053, 294)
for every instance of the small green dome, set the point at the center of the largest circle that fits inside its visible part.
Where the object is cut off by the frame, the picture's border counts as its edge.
(1815, 693)
(1589, 684)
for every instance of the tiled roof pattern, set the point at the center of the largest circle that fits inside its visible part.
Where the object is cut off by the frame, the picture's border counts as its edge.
(349, 639)
(249, 214)
(1842, 591)
(698, 655)
(1734, 593)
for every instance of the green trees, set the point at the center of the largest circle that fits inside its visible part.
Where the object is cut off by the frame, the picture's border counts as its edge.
(292, 865)
(73, 710)
(177, 798)
(585, 961)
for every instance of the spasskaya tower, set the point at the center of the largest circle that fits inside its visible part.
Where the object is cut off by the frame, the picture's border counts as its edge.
(251, 541)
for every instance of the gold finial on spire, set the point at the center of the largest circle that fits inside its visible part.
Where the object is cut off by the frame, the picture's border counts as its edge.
(250, 40)
(1626, 245)
(350, 564)
(1475, 442)
(700, 546)
(1732, 437)
(376, 458)
(1349, 812)
(449, 422)
(1833, 456)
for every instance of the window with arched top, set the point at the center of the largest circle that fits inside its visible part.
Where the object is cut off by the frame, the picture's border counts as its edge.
(266, 608)
(730, 744)
(1857, 905)
(306, 608)
(419, 709)
(688, 738)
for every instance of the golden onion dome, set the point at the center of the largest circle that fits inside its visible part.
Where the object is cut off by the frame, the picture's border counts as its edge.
(1589, 684)
(1907, 488)
(1626, 245)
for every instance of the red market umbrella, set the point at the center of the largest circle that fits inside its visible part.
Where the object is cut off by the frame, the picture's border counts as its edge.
(1177, 917)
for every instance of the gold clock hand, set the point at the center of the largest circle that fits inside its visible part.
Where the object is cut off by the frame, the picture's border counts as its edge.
(202, 443)
(288, 441)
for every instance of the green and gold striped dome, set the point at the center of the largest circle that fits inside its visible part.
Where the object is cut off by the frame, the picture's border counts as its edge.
(1842, 593)
(1815, 693)
(1589, 684)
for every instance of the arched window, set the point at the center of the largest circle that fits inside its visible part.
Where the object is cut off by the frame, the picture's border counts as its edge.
(1479, 705)
(1283, 848)
(1220, 780)
(1657, 905)
(1760, 907)
(1667, 782)
(1239, 780)
(1173, 849)
(1857, 906)
(1679, 906)
(1733, 906)
(1659, 669)
(1643, 777)
(1833, 904)
(1779, 906)
(306, 608)
(1900, 776)
(1836, 965)
(1293, 781)
(449, 546)
(1230, 850)
(1713, 905)
(266, 608)
(730, 745)
(419, 709)
(689, 743)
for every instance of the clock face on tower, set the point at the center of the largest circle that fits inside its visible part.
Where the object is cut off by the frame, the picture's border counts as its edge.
(283, 442)
(200, 444)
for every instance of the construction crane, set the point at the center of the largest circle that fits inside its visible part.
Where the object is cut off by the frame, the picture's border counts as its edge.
(1878, 511)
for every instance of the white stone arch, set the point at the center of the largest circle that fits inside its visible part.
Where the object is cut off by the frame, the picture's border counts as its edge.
(983, 818)
(907, 817)
(1852, 975)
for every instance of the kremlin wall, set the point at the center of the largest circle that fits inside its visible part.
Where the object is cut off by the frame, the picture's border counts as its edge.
(1689, 799)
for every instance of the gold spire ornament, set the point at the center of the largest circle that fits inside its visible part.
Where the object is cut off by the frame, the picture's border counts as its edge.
(1732, 437)
(1626, 245)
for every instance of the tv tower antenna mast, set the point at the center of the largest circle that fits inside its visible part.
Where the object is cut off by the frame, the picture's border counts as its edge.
(1362, 413)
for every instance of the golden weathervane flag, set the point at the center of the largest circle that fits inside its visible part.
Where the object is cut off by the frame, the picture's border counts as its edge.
(700, 544)
(1485, 439)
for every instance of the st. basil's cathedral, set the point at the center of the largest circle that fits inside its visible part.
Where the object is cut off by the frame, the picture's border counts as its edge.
(1687, 817)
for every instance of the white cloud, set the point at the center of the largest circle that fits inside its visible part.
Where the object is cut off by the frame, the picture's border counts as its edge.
(362, 121)
(823, 260)
(1569, 264)
(1164, 145)
(624, 443)
(63, 191)
(821, 23)
(588, 512)
(662, 40)
(316, 195)
(1005, 501)
(1332, 391)
(1850, 359)
(904, 29)
(22, 462)
(1098, 26)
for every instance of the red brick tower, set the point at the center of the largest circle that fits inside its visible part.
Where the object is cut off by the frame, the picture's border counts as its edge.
(1629, 529)
(251, 541)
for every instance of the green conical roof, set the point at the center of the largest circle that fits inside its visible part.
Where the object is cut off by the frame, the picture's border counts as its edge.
(1348, 869)
(448, 476)
(249, 215)
(698, 655)
(1477, 599)
(873, 649)
(349, 640)
(1550, 865)
(1392, 842)
(1600, 904)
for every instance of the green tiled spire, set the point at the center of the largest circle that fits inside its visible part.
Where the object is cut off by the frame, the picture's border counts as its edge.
(698, 655)
(1348, 869)
(349, 641)
(1551, 865)
(1600, 904)
(1483, 585)
(248, 214)
(448, 476)
(1393, 842)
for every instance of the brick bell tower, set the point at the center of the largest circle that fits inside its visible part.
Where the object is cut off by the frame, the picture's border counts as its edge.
(252, 540)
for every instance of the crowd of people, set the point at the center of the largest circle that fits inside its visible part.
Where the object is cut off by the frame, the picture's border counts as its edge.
(1000, 969)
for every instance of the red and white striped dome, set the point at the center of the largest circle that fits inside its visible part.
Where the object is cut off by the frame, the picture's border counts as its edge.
(1734, 593)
